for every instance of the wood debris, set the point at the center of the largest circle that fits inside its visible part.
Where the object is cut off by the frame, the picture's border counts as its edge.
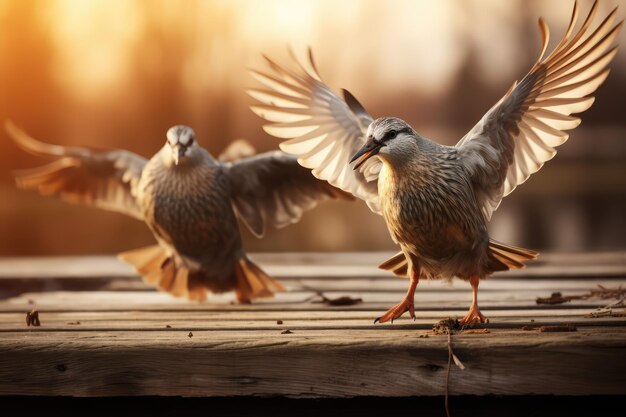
(602, 293)
(556, 298)
(476, 331)
(339, 301)
(443, 327)
(552, 329)
(32, 318)
(609, 310)
(606, 313)
(558, 328)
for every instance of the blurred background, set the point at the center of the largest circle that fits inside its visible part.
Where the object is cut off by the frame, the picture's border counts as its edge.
(115, 74)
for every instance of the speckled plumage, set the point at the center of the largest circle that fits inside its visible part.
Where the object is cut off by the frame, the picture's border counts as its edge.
(191, 202)
(432, 213)
(437, 200)
(188, 209)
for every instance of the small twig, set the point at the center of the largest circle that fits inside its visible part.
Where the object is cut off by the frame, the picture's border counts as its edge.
(448, 373)
(446, 326)
(607, 313)
(607, 310)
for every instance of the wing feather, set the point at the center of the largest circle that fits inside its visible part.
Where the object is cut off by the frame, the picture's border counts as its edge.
(520, 133)
(273, 188)
(321, 129)
(104, 179)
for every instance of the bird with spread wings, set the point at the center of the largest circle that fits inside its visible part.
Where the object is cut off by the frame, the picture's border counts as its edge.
(189, 200)
(437, 200)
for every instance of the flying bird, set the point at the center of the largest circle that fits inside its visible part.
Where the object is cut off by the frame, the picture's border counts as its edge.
(437, 200)
(189, 200)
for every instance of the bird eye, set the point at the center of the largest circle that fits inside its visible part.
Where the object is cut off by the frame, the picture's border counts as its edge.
(392, 134)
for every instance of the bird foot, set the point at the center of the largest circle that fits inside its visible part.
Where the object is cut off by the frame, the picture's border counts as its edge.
(473, 316)
(398, 310)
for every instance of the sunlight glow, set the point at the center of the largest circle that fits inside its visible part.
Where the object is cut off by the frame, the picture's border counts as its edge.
(399, 45)
(94, 40)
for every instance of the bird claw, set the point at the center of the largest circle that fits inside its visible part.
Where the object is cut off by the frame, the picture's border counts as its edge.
(473, 316)
(397, 311)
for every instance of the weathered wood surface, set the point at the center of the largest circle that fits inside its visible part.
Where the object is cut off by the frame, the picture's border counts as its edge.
(104, 332)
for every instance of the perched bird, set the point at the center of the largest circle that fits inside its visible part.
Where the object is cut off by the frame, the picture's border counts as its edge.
(437, 200)
(190, 201)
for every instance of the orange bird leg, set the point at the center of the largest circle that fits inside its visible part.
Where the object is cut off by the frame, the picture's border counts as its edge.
(407, 303)
(474, 315)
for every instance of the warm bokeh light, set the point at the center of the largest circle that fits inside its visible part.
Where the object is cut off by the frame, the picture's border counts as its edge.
(117, 74)
(92, 40)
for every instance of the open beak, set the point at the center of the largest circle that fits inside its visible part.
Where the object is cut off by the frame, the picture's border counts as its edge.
(178, 152)
(365, 153)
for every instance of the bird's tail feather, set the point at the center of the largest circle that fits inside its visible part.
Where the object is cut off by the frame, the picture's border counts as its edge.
(158, 268)
(253, 282)
(503, 257)
(509, 257)
(396, 264)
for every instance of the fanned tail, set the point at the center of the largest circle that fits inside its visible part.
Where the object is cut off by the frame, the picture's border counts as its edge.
(158, 268)
(253, 282)
(396, 264)
(507, 257)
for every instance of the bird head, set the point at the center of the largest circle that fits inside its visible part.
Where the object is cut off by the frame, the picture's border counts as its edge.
(182, 143)
(386, 137)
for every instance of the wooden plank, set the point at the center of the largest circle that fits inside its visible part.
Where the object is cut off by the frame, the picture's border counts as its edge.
(244, 321)
(123, 347)
(128, 300)
(381, 284)
(290, 265)
(310, 363)
(267, 316)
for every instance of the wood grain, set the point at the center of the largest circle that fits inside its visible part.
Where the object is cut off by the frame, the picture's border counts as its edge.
(316, 363)
(105, 333)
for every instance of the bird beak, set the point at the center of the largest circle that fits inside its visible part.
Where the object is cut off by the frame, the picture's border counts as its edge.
(178, 152)
(366, 152)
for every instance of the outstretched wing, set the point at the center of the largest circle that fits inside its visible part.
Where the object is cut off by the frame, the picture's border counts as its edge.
(272, 187)
(323, 130)
(105, 179)
(520, 133)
